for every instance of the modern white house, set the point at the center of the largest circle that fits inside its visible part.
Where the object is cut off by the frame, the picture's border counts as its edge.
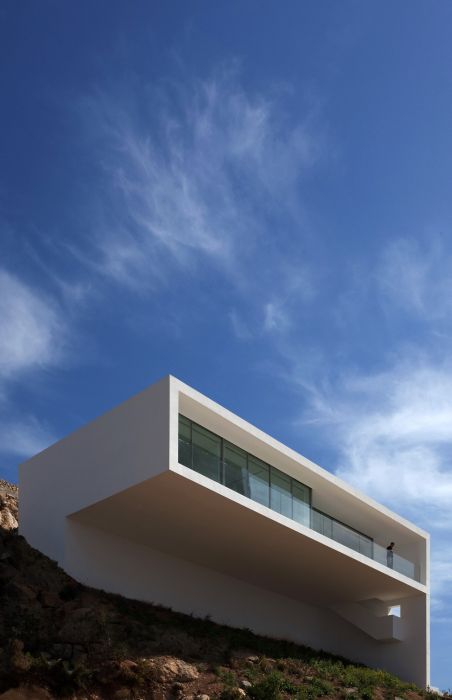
(171, 498)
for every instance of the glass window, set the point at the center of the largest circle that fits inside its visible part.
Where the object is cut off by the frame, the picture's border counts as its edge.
(328, 526)
(235, 468)
(184, 428)
(322, 523)
(206, 452)
(346, 536)
(281, 496)
(317, 521)
(301, 503)
(258, 481)
(184, 441)
(365, 546)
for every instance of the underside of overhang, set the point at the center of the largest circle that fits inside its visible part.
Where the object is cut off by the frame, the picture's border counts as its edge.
(181, 517)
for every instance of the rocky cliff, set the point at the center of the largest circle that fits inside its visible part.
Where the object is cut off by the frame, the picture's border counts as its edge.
(8, 506)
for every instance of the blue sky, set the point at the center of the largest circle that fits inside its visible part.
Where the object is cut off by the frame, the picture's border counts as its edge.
(254, 197)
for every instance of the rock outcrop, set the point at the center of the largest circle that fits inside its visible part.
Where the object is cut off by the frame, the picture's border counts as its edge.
(8, 505)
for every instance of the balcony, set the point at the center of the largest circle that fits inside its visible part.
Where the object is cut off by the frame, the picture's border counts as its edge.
(214, 457)
(344, 534)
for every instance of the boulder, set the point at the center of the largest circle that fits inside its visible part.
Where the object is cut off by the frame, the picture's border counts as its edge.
(169, 669)
(252, 659)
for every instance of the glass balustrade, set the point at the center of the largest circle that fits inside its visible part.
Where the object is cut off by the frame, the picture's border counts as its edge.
(216, 458)
(396, 562)
(335, 530)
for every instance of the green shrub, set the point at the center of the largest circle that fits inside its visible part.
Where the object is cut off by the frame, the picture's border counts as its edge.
(271, 687)
(317, 688)
(228, 677)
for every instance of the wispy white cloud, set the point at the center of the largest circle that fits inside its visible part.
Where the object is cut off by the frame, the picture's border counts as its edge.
(392, 432)
(240, 327)
(294, 290)
(441, 581)
(391, 429)
(416, 277)
(24, 437)
(275, 302)
(275, 317)
(195, 177)
(32, 330)
(33, 337)
(399, 421)
(196, 184)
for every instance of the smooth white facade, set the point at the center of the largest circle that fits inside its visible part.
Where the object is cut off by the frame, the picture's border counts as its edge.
(114, 507)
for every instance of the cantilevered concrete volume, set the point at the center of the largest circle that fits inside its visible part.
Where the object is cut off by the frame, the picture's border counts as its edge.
(171, 498)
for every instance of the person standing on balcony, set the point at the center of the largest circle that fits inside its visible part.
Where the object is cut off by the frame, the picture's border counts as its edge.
(390, 555)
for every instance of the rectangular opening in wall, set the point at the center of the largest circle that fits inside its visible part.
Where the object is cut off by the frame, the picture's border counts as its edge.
(395, 610)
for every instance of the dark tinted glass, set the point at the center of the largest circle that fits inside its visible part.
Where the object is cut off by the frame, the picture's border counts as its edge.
(259, 481)
(235, 468)
(280, 493)
(206, 448)
(301, 498)
(365, 546)
(185, 441)
(347, 537)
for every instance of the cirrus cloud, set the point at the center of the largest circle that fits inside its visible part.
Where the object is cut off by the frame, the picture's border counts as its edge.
(32, 338)
(33, 331)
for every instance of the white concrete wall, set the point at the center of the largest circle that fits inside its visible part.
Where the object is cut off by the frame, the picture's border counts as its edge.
(112, 563)
(117, 450)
